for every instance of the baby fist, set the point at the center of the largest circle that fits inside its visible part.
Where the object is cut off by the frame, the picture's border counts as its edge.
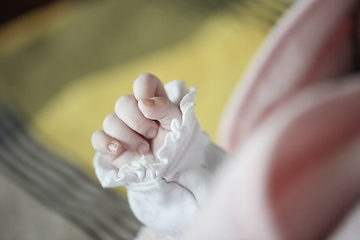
(139, 124)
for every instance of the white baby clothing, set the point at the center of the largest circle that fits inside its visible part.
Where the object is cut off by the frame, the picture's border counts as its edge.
(165, 193)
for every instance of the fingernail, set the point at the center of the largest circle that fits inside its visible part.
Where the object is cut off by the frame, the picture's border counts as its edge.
(151, 133)
(142, 148)
(113, 147)
(148, 102)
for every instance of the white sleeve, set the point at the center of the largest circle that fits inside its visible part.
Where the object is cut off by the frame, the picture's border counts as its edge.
(165, 194)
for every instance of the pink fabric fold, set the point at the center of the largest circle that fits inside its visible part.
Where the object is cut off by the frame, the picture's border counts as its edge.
(297, 176)
(293, 126)
(313, 42)
(314, 171)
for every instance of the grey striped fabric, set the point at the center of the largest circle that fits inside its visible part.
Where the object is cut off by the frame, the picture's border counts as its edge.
(101, 214)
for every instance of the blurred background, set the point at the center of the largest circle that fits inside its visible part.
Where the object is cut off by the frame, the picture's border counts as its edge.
(63, 64)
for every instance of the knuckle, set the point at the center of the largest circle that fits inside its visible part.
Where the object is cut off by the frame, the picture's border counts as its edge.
(95, 135)
(145, 78)
(96, 140)
(124, 101)
(109, 120)
(129, 142)
(139, 125)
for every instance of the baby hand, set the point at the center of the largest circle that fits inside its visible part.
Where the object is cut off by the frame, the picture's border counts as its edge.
(139, 124)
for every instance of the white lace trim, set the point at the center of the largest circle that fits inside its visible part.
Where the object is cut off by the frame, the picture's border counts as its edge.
(145, 169)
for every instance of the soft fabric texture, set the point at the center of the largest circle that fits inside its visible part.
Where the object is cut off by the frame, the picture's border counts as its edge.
(165, 193)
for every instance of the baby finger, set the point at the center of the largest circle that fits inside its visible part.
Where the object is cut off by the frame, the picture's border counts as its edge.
(126, 108)
(129, 139)
(105, 144)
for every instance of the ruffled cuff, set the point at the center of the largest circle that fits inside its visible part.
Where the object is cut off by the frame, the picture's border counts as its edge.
(146, 173)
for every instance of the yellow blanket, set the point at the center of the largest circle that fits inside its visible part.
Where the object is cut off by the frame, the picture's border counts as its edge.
(211, 53)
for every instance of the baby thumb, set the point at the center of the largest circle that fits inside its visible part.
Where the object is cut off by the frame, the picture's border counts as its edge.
(160, 109)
